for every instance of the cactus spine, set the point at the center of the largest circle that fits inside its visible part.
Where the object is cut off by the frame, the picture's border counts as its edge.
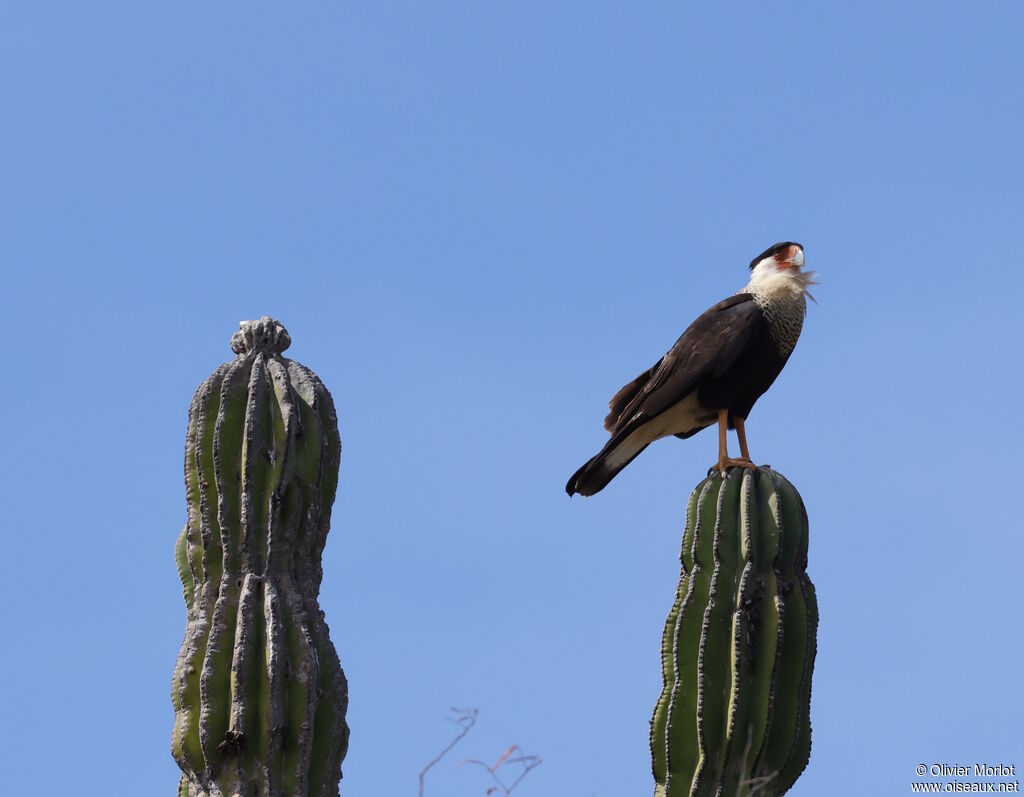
(258, 691)
(733, 717)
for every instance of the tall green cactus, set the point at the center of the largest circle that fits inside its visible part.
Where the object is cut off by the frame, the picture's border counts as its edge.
(258, 691)
(739, 644)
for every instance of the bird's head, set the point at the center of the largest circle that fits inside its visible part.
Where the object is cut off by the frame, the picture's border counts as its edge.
(780, 267)
(785, 255)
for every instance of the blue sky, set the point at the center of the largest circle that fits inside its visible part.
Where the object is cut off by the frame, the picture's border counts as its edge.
(477, 221)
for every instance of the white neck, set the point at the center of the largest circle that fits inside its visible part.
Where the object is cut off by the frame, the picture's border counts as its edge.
(767, 280)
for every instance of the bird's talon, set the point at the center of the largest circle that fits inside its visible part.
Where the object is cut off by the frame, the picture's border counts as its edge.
(723, 466)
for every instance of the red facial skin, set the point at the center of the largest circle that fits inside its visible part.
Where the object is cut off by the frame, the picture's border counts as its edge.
(784, 259)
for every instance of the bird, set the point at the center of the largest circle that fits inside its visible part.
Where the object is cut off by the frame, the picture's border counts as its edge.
(715, 372)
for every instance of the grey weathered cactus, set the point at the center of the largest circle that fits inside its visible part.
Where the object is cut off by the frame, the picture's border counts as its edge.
(739, 644)
(258, 691)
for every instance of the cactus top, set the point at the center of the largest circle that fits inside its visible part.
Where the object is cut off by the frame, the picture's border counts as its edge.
(265, 334)
(258, 691)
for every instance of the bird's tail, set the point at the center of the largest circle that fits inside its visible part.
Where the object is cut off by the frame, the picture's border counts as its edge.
(602, 468)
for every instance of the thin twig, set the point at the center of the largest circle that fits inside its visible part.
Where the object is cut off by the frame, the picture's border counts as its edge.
(528, 762)
(466, 719)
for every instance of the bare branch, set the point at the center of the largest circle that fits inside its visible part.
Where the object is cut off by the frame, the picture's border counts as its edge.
(465, 718)
(528, 763)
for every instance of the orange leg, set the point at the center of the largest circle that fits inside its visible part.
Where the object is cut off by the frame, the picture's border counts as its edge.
(724, 460)
(741, 433)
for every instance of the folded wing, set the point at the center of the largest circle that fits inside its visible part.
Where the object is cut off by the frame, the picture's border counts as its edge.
(706, 350)
(665, 399)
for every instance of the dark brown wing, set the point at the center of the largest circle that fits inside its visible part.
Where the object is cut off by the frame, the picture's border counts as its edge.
(708, 347)
(626, 394)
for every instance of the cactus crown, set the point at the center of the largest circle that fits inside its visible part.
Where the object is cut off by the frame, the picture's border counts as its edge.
(264, 335)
